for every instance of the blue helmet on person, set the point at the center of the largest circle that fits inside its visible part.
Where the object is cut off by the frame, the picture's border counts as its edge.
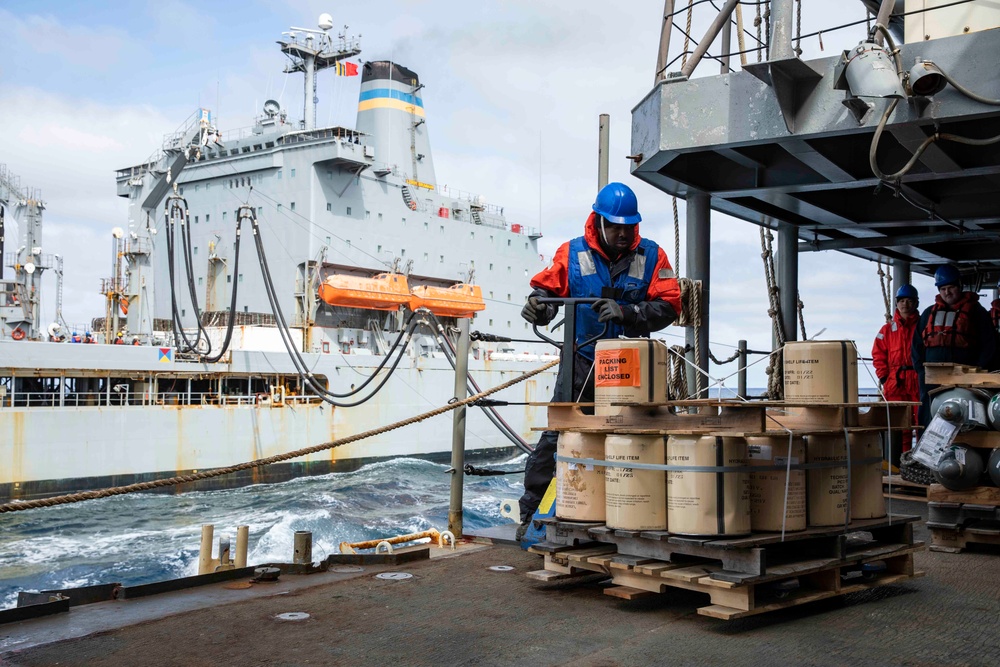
(947, 274)
(906, 292)
(617, 204)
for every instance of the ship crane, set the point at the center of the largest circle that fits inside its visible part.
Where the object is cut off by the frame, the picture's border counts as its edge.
(19, 297)
(145, 186)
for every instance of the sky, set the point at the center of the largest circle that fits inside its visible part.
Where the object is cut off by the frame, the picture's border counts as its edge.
(513, 91)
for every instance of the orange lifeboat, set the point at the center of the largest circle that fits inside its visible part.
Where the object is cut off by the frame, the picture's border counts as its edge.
(456, 301)
(386, 291)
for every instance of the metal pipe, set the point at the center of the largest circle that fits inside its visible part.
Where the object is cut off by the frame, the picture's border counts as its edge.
(603, 140)
(900, 273)
(349, 547)
(721, 20)
(782, 30)
(303, 547)
(741, 362)
(699, 242)
(665, 29)
(884, 10)
(788, 278)
(242, 542)
(727, 41)
(458, 429)
(205, 549)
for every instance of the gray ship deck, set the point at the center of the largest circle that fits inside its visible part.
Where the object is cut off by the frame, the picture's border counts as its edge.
(455, 612)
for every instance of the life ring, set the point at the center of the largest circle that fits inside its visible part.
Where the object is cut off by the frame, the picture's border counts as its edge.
(17, 334)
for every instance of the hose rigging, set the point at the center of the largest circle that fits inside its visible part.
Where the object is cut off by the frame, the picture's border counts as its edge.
(176, 212)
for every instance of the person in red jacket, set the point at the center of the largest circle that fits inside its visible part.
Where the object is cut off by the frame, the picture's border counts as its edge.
(892, 350)
(638, 294)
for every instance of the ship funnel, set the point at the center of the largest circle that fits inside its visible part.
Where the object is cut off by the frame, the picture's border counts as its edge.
(391, 112)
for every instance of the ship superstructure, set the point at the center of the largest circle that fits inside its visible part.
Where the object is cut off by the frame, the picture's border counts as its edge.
(329, 202)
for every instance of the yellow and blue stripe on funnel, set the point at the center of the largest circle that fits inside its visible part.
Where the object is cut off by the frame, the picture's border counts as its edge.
(388, 98)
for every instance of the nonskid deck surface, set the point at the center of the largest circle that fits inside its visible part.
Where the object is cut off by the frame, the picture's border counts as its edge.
(458, 611)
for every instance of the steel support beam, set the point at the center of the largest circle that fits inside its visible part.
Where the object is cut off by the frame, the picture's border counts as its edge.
(721, 19)
(603, 143)
(665, 29)
(699, 240)
(458, 429)
(900, 273)
(896, 241)
(788, 278)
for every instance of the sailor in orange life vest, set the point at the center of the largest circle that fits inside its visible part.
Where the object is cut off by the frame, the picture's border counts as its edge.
(956, 329)
(638, 294)
(891, 353)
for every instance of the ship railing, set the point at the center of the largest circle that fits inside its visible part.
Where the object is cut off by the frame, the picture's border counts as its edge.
(105, 398)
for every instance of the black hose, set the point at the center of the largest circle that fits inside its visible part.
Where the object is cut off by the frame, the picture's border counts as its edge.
(304, 374)
(236, 283)
(505, 429)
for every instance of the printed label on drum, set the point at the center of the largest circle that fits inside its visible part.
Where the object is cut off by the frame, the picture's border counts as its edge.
(617, 368)
(759, 451)
(783, 461)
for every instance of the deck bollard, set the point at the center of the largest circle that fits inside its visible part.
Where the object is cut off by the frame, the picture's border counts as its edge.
(205, 550)
(303, 547)
(225, 561)
(242, 540)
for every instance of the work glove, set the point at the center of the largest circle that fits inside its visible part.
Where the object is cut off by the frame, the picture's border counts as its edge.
(609, 310)
(535, 312)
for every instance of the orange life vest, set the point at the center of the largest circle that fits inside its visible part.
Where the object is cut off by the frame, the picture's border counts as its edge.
(950, 326)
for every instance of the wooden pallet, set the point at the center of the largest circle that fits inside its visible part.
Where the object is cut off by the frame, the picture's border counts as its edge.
(960, 518)
(955, 540)
(816, 578)
(958, 375)
(894, 486)
(732, 417)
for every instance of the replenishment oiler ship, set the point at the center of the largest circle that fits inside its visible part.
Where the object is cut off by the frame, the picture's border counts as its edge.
(209, 355)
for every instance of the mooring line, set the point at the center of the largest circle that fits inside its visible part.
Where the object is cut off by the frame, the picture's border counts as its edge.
(18, 506)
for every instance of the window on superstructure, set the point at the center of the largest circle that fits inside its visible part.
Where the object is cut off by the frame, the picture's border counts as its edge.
(207, 217)
(196, 187)
(181, 190)
(240, 278)
(328, 240)
(508, 243)
(491, 266)
(293, 206)
(199, 280)
(368, 215)
(292, 174)
(402, 253)
(508, 324)
(525, 246)
(508, 296)
(380, 217)
(491, 321)
(278, 175)
(472, 235)
(246, 309)
(491, 294)
(442, 229)
(229, 279)
(348, 210)
(196, 220)
(329, 207)
(196, 250)
(260, 211)
(223, 216)
(279, 208)
(379, 250)
(426, 226)
(508, 269)
(404, 222)
(425, 256)
(329, 174)
(491, 238)
(441, 260)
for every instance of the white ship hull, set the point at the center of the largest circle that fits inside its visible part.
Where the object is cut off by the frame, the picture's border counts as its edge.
(48, 448)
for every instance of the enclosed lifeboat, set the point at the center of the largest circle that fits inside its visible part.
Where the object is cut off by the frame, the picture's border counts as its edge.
(386, 291)
(460, 300)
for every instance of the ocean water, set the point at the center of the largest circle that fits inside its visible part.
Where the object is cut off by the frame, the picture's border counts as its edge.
(142, 538)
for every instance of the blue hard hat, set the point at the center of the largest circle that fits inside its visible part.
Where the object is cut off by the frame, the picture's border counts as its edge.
(906, 292)
(947, 274)
(617, 204)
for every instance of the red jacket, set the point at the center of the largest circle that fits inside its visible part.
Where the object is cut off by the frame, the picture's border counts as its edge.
(555, 278)
(892, 358)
